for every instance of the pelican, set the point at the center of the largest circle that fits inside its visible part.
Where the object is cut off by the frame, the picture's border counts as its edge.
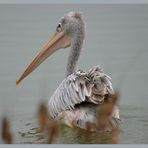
(80, 93)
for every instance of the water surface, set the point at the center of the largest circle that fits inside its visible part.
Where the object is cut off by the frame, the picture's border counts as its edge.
(116, 39)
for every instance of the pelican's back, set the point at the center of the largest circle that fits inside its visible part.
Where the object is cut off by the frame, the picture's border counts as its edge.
(80, 87)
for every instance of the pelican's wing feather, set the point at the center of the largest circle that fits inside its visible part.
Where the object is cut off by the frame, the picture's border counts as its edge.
(79, 87)
(73, 90)
(98, 77)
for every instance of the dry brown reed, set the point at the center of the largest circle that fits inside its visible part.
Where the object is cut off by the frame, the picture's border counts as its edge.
(47, 125)
(103, 113)
(6, 133)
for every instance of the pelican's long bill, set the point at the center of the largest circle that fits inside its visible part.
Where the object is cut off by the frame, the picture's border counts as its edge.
(58, 40)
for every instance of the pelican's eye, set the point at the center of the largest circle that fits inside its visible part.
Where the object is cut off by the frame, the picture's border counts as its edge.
(59, 27)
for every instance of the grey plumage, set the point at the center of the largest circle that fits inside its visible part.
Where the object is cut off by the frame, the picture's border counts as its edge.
(78, 95)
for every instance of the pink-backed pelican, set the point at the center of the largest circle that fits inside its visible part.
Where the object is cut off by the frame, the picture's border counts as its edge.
(80, 93)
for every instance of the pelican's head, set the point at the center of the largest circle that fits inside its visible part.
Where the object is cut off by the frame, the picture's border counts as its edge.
(70, 27)
(71, 24)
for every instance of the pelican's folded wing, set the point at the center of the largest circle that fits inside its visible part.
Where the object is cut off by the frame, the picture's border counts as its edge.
(73, 90)
(79, 87)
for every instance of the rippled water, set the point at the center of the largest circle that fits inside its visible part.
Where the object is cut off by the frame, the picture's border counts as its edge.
(116, 40)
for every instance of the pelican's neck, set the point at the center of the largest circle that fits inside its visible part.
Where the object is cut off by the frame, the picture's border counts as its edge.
(76, 46)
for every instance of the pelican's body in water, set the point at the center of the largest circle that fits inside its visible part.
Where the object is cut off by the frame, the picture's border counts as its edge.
(80, 93)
